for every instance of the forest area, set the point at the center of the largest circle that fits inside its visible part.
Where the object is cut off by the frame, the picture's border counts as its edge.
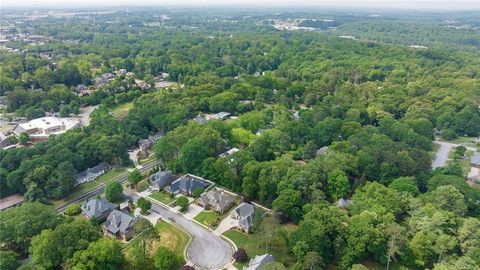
(373, 107)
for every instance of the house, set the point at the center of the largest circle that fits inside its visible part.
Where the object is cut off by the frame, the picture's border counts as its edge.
(11, 201)
(91, 174)
(216, 200)
(229, 152)
(98, 208)
(474, 175)
(201, 119)
(40, 128)
(186, 185)
(119, 225)
(146, 144)
(244, 214)
(161, 179)
(4, 141)
(81, 87)
(342, 203)
(259, 262)
(219, 116)
(322, 151)
(475, 160)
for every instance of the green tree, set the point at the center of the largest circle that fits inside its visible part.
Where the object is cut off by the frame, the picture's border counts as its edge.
(198, 192)
(337, 184)
(182, 201)
(24, 138)
(469, 234)
(134, 178)
(73, 209)
(405, 185)
(289, 204)
(164, 259)
(103, 254)
(9, 260)
(114, 191)
(51, 248)
(450, 199)
(144, 205)
(18, 225)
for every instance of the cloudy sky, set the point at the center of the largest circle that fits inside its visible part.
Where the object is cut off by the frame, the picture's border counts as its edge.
(405, 4)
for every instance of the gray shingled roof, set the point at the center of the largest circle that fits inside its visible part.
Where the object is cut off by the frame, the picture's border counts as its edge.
(93, 170)
(162, 178)
(118, 221)
(217, 198)
(259, 262)
(245, 212)
(475, 159)
(188, 183)
(96, 207)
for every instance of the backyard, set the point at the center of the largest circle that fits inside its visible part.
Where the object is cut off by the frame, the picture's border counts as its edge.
(254, 245)
(120, 111)
(171, 237)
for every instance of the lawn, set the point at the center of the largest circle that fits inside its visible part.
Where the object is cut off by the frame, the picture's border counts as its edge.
(171, 237)
(121, 111)
(208, 218)
(86, 187)
(462, 139)
(162, 197)
(250, 243)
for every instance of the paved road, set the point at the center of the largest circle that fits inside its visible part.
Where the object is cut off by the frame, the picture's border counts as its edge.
(441, 157)
(207, 250)
(99, 190)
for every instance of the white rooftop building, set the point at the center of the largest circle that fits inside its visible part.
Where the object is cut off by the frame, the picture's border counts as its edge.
(39, 129)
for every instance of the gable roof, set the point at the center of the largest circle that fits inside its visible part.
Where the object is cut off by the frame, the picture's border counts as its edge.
(91, 171)
(162, 178)
(259, 262)
(118, 221)
(217, 198)
(188, 183)
(96, 207)
(245, 213)
(475, 159)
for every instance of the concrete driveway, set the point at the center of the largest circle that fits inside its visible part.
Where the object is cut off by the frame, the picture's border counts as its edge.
(207, 250)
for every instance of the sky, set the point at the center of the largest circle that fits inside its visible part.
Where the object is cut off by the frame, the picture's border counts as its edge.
(402, 4)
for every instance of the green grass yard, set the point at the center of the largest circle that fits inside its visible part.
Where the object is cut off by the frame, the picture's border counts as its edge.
(208, 218)
(86, 187)
(250, 243)
(162, 197)
(121, 110)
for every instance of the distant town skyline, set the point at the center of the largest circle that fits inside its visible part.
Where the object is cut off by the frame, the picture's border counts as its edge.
(424, 5)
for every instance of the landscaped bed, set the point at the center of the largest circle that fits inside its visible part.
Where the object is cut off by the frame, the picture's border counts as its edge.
(162, 197)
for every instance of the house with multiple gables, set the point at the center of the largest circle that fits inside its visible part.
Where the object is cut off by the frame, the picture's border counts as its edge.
(161, 179)
(97, 208)
(146, 144)
(216, 200)
(187, 184)
(244, 214)
(259, 262)
(119, 225)
(91, 174)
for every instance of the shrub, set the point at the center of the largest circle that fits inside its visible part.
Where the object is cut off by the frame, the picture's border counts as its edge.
(240, 255)
(73, 209)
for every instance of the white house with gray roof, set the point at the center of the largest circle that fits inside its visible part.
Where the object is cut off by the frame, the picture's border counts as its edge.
(244, 214)
(98, 208)
(259, 262)
(119, 225)
(91, 174)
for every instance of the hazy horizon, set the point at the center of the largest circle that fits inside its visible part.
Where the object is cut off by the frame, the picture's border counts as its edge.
(422, 5)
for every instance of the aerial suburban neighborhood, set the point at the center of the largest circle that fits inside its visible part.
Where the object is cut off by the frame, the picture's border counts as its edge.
(240, 135)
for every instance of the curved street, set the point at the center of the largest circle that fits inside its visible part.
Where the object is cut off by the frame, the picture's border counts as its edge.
(207, 250)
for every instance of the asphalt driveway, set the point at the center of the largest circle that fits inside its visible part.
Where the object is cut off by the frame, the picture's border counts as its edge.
(207, 250)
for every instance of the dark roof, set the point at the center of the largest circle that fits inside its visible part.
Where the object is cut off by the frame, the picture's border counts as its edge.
(96, 207)
(118, 221)
(188, 183)
(245, 213)
(217, 198)
(162, 178)
(93, 170)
